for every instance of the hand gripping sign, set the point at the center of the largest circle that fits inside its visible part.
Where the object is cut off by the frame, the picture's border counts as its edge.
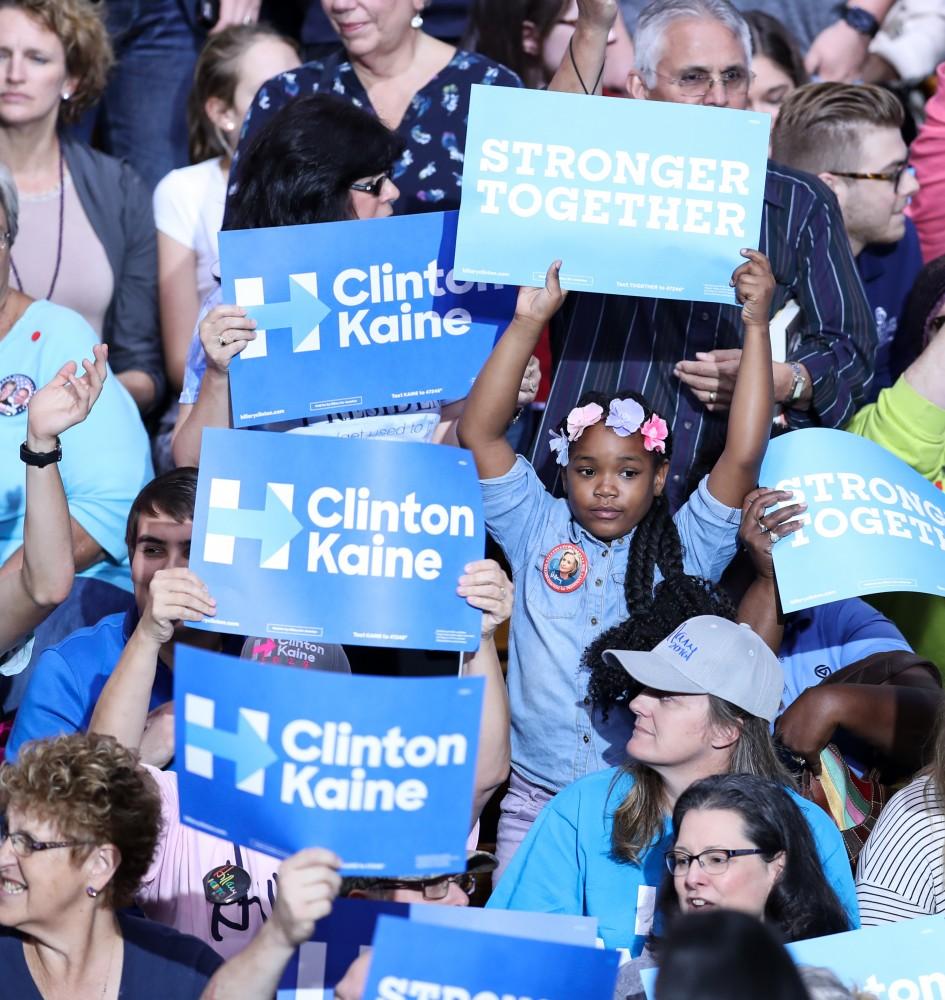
(378, 769)
(411, 960)
(635, 197)
(320, 963)
(355, 315)
(337, 540)
(872, 525)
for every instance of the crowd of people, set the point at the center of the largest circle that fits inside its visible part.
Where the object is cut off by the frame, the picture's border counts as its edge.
(661, 747)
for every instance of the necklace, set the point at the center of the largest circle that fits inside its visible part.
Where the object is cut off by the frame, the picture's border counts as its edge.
(108, 975)
(62, 204)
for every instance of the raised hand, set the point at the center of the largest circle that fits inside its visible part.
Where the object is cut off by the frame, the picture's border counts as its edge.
(224, 332)
(530, 382)
(599, 14)
(174, 595)
(65, 400)
(308, 884)
(754, 288)
(760, 531)
(486, 587)
(538, 305)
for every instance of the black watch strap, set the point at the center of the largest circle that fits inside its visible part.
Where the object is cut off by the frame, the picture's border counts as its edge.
(860, 20)
(41, 458)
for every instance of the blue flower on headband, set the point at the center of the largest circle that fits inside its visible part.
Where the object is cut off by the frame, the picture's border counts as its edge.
(625, 417)
(559, 444)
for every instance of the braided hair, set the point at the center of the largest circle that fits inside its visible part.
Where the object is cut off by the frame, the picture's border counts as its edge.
(654, 613)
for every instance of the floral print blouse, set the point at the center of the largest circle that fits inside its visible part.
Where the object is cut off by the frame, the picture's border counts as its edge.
(429, 174)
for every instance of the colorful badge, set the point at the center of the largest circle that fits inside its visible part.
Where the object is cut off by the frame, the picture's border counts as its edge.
(565, 568)
(226, 884)
(16, 391)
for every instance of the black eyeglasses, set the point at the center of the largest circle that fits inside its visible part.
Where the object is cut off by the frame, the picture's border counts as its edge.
(712, 862)
(435, 889)
(893, 176)
(374, 186)
(23, 844)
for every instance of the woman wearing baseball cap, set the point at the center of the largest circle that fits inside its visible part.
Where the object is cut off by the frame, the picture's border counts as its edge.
(707, 694)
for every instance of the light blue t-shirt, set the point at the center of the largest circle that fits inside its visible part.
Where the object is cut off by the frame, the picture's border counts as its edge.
(106, 459)
(566, 865)
(557, 735)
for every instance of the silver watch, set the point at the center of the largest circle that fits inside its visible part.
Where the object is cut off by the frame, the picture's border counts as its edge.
(797, 386)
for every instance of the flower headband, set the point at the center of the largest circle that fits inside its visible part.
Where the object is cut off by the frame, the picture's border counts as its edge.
(624, 418)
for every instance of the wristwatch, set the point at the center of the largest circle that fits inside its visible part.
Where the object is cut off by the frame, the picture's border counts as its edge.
(797, 386)
(859, 20)
(41, 458)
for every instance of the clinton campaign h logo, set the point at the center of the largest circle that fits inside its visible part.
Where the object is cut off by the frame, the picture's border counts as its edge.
(302, 313)
(376, 314)
(246, 748)
(274, 526)
(279, 759)
(310, 537)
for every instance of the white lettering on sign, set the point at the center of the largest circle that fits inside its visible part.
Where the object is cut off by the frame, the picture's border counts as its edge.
(397, 988)
(883, 508)
(613, 204)
(335, 744)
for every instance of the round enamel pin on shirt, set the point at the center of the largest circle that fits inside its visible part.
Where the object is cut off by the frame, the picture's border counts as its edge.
(226, 884)
(15, 393)
(565, 568)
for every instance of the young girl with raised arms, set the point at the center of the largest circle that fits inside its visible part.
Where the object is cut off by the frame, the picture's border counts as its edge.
(641, 572)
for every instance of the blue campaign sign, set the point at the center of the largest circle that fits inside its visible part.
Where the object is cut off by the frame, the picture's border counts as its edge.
(873, 524)
(378, 769)
(321, 963)
(413, 960)
(337, 540)
(900, 961)
(355, 315)
(635, 197)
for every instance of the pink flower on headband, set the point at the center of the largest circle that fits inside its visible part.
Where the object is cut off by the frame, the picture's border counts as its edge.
(654, 433)
(582, 417)
(559, 444)
(625, 417)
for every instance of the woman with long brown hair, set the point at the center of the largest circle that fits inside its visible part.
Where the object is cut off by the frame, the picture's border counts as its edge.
(707, 695)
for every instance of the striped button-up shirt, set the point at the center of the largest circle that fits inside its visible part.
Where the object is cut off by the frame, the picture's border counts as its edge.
(611, 342)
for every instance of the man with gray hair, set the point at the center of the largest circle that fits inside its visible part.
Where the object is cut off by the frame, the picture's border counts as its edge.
(834, 37)
(684, 356)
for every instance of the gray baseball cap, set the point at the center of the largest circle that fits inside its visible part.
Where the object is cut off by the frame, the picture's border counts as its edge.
(710, 655)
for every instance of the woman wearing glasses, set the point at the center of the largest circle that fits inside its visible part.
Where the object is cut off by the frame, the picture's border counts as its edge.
(705, 698)
(741, 843)
(80, 825)
(291, 175)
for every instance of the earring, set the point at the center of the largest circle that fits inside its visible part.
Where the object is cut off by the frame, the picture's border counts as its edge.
(229, 124)
(91, 891)
(416, 21)
(66, 95)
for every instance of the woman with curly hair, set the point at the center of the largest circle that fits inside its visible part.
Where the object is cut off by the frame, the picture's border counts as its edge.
(80, 826)
(87, 237)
